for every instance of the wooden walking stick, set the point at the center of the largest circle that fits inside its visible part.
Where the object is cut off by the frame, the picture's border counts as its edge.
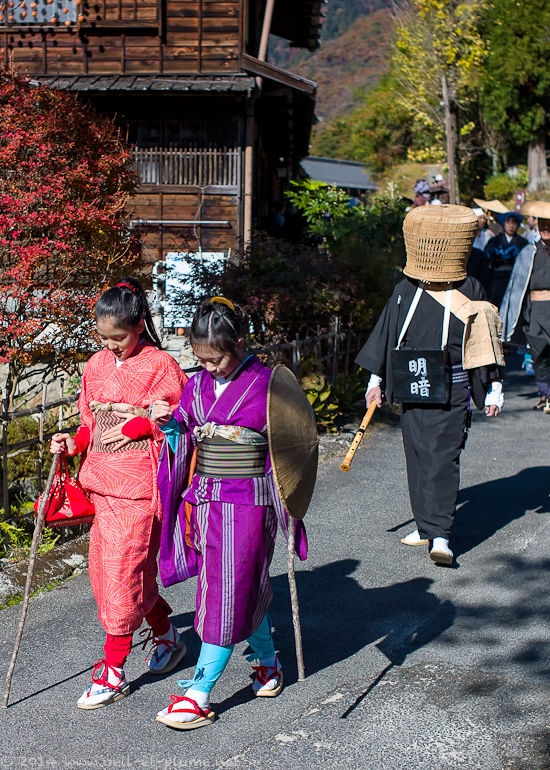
(294, 601)
(32, 559)
(346, 463)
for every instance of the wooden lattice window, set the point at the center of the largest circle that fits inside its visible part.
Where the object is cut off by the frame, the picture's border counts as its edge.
(187, 153)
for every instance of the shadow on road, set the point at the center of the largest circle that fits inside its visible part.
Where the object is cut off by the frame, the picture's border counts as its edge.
(487, 507)
(340, 617)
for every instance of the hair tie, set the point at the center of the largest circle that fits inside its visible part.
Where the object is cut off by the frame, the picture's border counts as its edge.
(223, 301)
(125, 286)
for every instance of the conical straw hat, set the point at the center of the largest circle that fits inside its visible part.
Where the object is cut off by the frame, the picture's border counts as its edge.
(495, 205)
(438, 242)
(540, 209)
(293, 441)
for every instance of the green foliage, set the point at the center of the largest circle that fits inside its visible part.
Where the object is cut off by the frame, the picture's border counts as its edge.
(504, 186)
(516, 88)
(15, 542)
(24, 464)
(320, 394)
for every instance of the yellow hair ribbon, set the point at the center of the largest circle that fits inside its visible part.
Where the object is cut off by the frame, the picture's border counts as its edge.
(223, 301)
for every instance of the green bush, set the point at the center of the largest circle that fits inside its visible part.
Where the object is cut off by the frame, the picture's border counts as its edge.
(504, 186)
(320, 394)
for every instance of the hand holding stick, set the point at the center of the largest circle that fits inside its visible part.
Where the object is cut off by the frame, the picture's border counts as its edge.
(346, 463)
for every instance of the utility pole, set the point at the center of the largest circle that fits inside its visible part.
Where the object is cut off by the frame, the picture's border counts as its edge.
(450, 134)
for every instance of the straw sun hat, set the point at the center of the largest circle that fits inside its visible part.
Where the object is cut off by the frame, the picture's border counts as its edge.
(438, 242)
(540, 209)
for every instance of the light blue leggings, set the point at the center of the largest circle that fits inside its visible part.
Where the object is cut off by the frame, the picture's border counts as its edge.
(213, 659)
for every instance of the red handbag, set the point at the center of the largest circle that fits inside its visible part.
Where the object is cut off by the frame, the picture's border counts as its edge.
(67, 504)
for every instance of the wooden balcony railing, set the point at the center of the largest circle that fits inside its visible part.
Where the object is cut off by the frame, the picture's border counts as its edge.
(195, 166)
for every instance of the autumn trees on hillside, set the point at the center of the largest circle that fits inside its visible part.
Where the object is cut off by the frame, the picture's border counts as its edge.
(490, 57)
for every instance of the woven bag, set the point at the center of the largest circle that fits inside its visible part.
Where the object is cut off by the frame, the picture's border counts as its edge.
(67, 504)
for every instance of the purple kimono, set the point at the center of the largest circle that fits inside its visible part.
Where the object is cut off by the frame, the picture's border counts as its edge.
(233, 522)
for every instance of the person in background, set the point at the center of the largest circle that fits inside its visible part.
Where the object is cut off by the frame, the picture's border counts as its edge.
(531, 229)
(421, 193)
(527, 299)
(501, 252)
(477, 262)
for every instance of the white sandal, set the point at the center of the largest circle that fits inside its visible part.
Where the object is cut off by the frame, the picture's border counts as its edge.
(103, 692)
(183, 705)
(167, 650)
(268, 680)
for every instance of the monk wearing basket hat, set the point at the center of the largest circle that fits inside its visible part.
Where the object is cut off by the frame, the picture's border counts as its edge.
(436, 349)
(527, 299)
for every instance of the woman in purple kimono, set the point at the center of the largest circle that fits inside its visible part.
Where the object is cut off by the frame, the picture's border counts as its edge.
(220, 509)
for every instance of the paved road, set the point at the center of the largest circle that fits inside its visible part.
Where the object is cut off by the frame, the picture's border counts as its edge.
(409, 665)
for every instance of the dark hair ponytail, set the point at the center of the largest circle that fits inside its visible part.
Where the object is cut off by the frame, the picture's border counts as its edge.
(217, 325)
(127, 304)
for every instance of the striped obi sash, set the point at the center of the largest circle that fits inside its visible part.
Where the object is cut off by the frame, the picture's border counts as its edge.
(230, 452)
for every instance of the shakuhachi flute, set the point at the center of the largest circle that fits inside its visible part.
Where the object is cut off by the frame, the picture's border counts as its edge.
(346, 464)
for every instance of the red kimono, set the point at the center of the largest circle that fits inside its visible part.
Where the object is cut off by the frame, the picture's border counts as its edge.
(125, 535)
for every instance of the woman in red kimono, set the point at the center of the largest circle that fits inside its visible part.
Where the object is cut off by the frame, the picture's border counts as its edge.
(119, 471)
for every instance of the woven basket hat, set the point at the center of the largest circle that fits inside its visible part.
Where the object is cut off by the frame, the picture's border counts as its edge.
(438, 240)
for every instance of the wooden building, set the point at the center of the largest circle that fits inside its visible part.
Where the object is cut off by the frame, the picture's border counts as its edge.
(216, 128)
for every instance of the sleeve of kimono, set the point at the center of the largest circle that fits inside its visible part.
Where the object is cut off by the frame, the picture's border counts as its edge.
(82, 439)
(172, 433)
(373, 354)
(168, 386)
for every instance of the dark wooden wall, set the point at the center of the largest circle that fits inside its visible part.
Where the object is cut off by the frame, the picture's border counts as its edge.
(176, 205)
(145, 36)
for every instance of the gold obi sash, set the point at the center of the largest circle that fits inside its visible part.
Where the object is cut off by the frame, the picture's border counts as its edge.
(105, 418)
(230, 452)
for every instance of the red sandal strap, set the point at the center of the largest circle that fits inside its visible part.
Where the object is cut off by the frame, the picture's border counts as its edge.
(265, 673)
(102, 680)
(196, 709)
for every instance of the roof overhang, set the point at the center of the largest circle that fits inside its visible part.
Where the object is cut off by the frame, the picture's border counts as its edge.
(271, 72)
(340, 173)
(234, 83)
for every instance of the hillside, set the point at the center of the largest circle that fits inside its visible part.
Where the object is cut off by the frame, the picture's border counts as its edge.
(353, 55)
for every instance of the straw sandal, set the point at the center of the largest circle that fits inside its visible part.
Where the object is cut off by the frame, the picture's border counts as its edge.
(204, 716)
(413, 538)
(101, 692)
(440, 552)
(263, 675)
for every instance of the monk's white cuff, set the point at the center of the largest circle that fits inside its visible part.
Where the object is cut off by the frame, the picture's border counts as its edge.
(374, 382)
(495, 396)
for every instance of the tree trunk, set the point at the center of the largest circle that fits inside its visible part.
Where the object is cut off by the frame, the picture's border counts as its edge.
(451, 134)
(536, 164)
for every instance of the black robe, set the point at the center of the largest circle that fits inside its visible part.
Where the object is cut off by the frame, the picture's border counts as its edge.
(433, 435)
(423, 332)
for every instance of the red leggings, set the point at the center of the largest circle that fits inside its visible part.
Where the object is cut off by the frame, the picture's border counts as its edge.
(117, 648)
